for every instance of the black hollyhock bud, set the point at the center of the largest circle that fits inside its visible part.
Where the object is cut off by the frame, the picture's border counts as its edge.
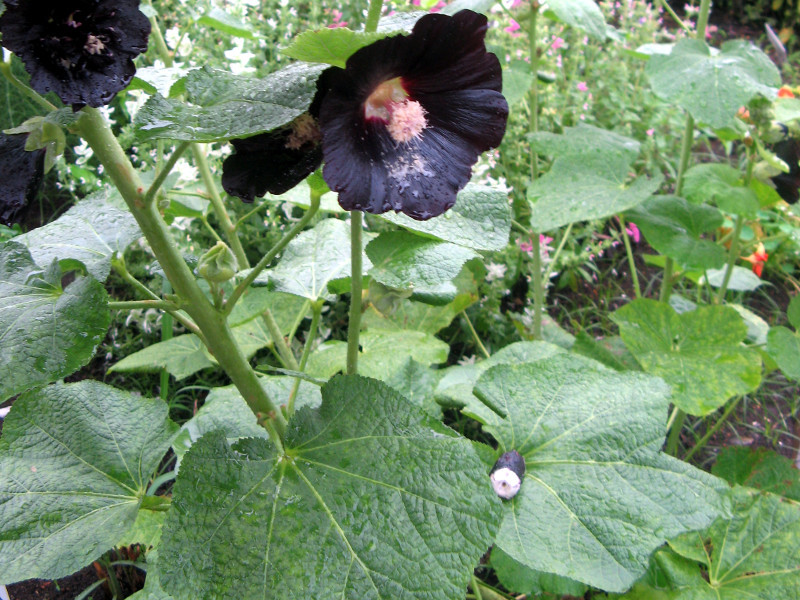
(507, 473)
(82, 50)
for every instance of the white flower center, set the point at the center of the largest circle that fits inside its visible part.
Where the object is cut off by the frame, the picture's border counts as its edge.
(389, 103)
(506, 483)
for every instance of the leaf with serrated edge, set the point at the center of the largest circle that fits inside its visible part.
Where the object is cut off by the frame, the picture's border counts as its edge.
(712, 86)
(330, 46)
(751, 555)
(372, 499)
(595, 478)
(225, 106)
(46, 331)
(75, 461)
(698, 353)
(90, 232)
(480, 219)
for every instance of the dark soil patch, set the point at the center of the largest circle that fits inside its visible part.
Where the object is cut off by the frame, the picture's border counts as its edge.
(67, 588)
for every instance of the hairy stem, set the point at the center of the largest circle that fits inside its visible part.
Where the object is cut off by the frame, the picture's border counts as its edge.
(211, 322)
(164, 173)
(354, 322)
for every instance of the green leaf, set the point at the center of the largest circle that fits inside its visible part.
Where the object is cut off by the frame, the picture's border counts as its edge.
(167, 81)
(403, 260)
(752, 555)
(480, 219)
(742, 279)
(595, 478)
(152, 585)
(713, 85)
(674, 227)
(46, 331)
(586, 140)
(416, 382)
(146, 529)
(783, 346)
(75, 460)
(793, 312)
(584, 188)
(312, 260)
(759, 468)
(698, 353)
(382, 352)
(521, 579)
(90, 232)
(372, 499)
(181, 356)
(330, 46)
(583, 14)
(284, 307)
(222, 106)
(455, 387)
(517, 81)
(222, 21)
(722, 185)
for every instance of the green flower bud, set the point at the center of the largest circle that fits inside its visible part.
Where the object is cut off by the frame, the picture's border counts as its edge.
(218, 265)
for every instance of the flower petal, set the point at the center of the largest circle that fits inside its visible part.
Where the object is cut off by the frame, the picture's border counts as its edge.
(22, 172)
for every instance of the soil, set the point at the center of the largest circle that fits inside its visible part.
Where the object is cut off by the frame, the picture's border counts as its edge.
(67, 588)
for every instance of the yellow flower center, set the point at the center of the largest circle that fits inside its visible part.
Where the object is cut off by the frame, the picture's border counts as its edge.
(389, 103)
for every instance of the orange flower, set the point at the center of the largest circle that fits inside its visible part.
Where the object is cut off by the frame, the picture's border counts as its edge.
(785, 92)
(743, 114)
(757, 259)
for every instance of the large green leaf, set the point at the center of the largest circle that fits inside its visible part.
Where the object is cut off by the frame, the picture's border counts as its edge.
(713, 85)
(587, 179)
(90, 232)
(46, 331)
(783, 346)
(455, 386)
(723, 185)
(759, 468)
(329, 46)
(751, 555)
(598, 496)
(674, 227)
(405, 261)
(583, 14)
(382, 353)
(222, 21)
(181, 356)
(480, 219)
(519, 578)
(698, 353)
(371, 499)
(221, 106)
(312, 260)
(75, 460)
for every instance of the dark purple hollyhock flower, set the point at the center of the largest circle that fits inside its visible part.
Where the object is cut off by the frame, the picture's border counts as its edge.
(406, 119)
(787, 184)
(22, 174)
(82, 50)
(273, 162)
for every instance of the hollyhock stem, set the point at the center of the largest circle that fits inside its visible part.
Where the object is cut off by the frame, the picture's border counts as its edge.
(714, 429)
(165, 171)
(211, 322)
(316, 313)
(629, 252)
(733, 251)
(5, 67)
(373, 15)
(354, 323)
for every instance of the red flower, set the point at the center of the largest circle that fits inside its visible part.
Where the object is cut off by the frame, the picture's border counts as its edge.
(406, 119)
(757, 259)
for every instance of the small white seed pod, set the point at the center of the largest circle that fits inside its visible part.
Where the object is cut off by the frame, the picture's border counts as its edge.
(507, 473)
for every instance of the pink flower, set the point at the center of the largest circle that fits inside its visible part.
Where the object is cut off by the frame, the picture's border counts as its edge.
(650, 132)
(526, 246)
(512, 28)
(337, 22)
(633, 231)
(557, 43)
(582, 87)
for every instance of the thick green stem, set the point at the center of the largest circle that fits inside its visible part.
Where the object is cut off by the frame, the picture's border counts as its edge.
(164, 172)
(143, 304)
(714, 429)
(241, 288)
(166, 335)
(211, 322)
(228, 228)
(629, 252)
(675, 432)
(665, 5)
(161, 45)
(533, 124)
(702, 18)
(373, 15)
(354, 323)
(538, 286)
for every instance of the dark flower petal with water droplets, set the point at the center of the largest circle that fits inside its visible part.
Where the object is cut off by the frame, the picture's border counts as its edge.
(82, 50)
(443, 66)
(263, 163)
(22, 174)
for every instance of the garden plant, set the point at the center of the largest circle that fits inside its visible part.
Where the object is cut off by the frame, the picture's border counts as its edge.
(398, 300)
